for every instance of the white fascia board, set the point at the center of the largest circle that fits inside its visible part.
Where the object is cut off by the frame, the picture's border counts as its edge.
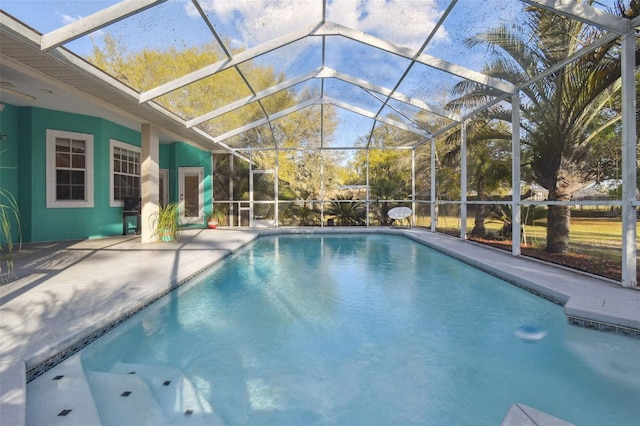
(329, 73)
(94, 22)
(372, 115)
(204, 134)
(17, 30)
(262, 121)
(331, 28)
(219, 66)
(80, 65)
(252, 98)
(584, 13)
(84, 67)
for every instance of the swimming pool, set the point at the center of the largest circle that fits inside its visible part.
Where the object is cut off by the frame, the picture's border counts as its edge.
(365, 329)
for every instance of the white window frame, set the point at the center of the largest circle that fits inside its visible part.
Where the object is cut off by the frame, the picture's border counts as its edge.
(122, 145)
(52, 201)
(164, 196)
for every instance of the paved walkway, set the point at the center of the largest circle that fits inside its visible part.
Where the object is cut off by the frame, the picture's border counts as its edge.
(65, 291)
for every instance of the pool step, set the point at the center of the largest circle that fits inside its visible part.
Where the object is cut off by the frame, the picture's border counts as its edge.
(522, 415)
(61, 396)
(125, 399)
(175, 394)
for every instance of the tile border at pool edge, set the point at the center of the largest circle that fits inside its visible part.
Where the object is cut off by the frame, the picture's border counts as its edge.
(68, 351)
(559, 299)
(43, 366)
(602, 326)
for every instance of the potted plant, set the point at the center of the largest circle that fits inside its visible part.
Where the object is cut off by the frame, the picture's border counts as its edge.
(166, 222)
(216, 217)
(10, 230)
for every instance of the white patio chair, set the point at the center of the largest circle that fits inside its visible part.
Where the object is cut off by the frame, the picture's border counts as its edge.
(400, 214)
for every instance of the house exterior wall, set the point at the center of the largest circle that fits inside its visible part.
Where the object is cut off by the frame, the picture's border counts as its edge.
(9, 164)
(180, 154)
(23, 172)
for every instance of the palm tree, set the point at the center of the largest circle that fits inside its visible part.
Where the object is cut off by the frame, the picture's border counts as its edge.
(347, 210)
(488, 167)
(558, 111)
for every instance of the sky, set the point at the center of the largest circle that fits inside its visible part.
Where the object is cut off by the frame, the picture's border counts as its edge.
(251, 22)
(248, 23)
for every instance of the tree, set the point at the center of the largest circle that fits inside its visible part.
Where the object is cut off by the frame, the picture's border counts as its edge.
(488, 164)
(559, 110)
(148, 68)
(348, 210)
(389, 169)
(299, 170)
(304, 170)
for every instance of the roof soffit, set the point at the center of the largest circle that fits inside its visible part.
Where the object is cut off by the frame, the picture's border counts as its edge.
(95, 22)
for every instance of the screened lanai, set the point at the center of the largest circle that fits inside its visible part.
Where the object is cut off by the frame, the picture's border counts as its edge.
(499, 121)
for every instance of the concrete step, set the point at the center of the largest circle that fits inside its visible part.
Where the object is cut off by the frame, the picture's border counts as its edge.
(125, 400)
(61, 396)
(177, 397)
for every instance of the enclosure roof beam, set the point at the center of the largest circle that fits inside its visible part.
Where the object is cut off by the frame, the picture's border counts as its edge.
(94, 22)
(372, 115)
(603, 40)
(319, 101)
(321, 73)
(324, 29)
(262, 121)
(330, 73)
(583, 13)
(209, 70)
(406, 72)
(258, 96)
(331, 28)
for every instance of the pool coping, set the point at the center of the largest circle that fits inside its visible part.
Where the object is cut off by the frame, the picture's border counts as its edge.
(588, 301)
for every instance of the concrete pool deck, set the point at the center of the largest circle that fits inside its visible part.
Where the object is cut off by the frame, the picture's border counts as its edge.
(65, 291)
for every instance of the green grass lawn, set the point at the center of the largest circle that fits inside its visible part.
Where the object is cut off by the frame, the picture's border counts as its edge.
(595, 243)
(593, 236)
(598, 237)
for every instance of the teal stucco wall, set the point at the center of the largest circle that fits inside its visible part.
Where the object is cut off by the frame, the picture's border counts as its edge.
(180, 154)
(23, 170)
(9, 190)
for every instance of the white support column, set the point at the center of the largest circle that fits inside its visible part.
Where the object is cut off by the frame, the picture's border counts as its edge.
(233, 212)
(413, 186)
(250, 177)
(321, 188)
(463, 180)
(629, 141)
(149, 180)
(367, 180)
(515, 174)
(434, 209)
(322, 159)
(276, 211)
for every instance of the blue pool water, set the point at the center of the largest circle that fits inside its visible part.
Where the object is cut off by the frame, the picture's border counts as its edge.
(363, 330)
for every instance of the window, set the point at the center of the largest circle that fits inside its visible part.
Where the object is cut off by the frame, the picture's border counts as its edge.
(69, 169)
(125, 172)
